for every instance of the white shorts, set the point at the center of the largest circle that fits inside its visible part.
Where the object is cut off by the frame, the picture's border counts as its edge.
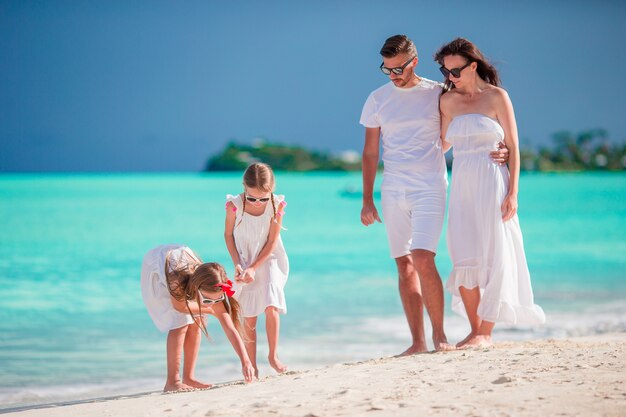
(413, 218)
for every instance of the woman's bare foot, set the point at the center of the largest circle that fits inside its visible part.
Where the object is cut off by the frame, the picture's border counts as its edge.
(194, 383)
(277, 365)
(464, 341)
(478, 341)
(177, 386)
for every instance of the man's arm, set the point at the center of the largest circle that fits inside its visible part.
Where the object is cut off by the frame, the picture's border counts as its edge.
(371, 151)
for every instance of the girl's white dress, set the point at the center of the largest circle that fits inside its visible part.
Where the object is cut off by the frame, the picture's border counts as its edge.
(251, 233)
(154, 287)
(485, 251)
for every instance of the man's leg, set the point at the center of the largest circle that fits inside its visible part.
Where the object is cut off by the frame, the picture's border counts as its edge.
(398, 224)
(411, 296)
(432, 290)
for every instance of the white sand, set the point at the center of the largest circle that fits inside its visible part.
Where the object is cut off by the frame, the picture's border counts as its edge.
(575, 377)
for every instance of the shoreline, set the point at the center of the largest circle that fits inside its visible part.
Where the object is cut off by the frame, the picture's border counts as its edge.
(574, 376)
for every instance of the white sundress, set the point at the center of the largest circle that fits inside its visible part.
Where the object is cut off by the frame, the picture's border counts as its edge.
(251, 233)
(154, 288)
(485, 251)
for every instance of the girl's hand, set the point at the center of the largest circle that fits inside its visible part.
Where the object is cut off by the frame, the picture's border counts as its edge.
(238, 272)
(509, 207)
(247, 276)
(248, 372)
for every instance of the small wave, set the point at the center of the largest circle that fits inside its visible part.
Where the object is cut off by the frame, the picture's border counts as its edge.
(24, 398)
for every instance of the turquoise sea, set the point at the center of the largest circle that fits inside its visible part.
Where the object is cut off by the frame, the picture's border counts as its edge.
(73, 324)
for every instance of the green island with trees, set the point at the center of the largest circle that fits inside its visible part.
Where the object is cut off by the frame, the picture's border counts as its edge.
(586, 150)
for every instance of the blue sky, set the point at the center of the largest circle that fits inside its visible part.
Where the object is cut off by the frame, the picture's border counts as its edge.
(160, 86)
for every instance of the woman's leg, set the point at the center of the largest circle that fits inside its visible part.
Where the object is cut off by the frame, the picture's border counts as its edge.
(174, 347)
(483, 336)
(191, 349)
(249, 330)
(272, 327)
(481, 329)
(471, 300)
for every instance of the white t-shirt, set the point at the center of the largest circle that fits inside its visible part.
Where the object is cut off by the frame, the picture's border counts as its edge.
(410, 130)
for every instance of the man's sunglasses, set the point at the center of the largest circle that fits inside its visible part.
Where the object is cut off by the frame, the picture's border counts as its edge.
(397, 70)
(254, 200)
(456, 72)
(211, 300)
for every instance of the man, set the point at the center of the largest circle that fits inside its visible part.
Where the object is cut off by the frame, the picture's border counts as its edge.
(405, 114)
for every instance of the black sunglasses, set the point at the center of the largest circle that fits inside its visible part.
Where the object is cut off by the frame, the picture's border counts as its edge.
(254, 200)
(456, 72)
(397, 70)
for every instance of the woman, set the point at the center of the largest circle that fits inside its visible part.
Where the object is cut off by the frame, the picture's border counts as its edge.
(490, 274)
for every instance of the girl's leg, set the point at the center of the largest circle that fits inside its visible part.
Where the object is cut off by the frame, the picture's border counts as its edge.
(249, 329)
(174, 346)
(191, 349)
(471, 300)
(272, 327)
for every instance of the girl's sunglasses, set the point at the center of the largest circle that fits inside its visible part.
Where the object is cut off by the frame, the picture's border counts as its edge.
(456, 72)
(254, 200)
(397, 70)
(210, 301)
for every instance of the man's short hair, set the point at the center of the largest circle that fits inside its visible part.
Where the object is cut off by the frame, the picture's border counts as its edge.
(398, 44)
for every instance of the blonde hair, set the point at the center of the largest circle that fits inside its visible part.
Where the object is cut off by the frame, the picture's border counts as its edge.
(186, 282)
(260, 176)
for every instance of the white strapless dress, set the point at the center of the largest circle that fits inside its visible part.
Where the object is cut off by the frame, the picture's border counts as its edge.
(485, 251)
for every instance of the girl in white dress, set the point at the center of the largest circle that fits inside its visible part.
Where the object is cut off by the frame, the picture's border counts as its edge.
(179, 291)
(252, 234)
(490, 275)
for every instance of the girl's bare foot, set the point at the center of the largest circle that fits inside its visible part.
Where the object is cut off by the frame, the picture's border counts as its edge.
(467, 339)
(177, 386)
(277, 365)
(478, 341)
(194, 383)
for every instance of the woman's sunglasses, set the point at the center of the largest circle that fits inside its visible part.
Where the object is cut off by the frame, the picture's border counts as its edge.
(456, 72)
(210, 301)
(397, 70)
(254, 200)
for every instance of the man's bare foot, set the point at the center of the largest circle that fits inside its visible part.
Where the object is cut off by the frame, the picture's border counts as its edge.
(277, 365)
(194, 383)
(177, 386)
(442, 345)
(414, 350)
(478, 341)
(464, 341)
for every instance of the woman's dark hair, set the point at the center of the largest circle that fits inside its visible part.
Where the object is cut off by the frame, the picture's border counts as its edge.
(471, 53)
(398, 44)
